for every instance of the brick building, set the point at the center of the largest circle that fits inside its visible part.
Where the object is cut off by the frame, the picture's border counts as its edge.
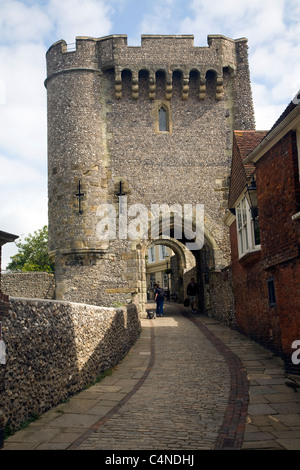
(264, 220)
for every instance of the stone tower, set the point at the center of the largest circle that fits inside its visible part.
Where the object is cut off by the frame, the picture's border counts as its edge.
(153, 123)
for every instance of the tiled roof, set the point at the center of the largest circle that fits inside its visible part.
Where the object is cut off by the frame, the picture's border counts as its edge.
(246, 142)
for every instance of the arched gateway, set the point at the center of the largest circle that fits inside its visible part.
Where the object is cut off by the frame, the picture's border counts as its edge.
(131, 129)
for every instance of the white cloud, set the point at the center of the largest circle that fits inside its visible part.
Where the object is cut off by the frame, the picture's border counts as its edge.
(80, 18)
(20, 22)
(27, 31)
(235, 18)
(29, 27)
(158, 21)
(23, 114)
(23, 201)
(272, 28)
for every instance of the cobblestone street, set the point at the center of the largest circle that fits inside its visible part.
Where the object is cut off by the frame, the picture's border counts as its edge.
(189, 383)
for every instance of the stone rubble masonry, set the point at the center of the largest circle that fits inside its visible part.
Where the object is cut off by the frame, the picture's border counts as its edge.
(55, 349)
(34, 285)
(103, 103)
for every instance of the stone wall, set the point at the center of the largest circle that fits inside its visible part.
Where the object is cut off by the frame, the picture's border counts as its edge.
(221, 300)
(54, 349)
(34, 285)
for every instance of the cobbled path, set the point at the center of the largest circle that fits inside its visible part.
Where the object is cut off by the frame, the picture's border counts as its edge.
(189, 383)
(181, 404)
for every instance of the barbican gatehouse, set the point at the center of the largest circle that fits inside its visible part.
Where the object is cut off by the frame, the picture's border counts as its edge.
(153, 124)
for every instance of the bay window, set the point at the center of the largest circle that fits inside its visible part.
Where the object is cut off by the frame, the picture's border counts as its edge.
(247, 227)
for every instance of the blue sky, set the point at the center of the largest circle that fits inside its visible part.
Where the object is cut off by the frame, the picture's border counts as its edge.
(29, 27)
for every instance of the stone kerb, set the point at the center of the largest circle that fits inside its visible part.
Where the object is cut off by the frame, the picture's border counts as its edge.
(54, 349)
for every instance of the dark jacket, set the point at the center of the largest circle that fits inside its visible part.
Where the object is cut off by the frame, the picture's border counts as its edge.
(192, 289)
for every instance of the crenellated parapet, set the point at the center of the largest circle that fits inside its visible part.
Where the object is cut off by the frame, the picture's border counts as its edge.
(166, 55)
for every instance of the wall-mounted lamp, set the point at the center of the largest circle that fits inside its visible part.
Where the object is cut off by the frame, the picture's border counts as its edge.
(252, 193)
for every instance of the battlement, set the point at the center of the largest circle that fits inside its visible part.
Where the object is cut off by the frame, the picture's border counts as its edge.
(157, 53)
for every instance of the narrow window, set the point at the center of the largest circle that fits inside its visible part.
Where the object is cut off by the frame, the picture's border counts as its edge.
(152, 280)
(151, 254)
(298, 148)
(162, 252)
(163, 120)
(247, 228)
(271, 292)
(256, 231)
(242, 228)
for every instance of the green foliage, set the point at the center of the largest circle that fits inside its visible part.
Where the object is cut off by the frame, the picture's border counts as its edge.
(33, 253)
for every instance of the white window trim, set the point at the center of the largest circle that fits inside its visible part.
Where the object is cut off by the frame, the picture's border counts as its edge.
(245, 231)
(297, 215)
(162, 252)
(151, 254)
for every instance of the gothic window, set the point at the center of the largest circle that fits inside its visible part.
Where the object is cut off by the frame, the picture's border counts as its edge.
(163, 120)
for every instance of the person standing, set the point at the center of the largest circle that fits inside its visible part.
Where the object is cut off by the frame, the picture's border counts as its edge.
(159, 299)
(192, 291)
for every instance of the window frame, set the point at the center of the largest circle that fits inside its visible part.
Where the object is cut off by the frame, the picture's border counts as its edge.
(165, 281)
(152, 280)
(272, 292)
(163, 253)
(245, 227)
(151, 254)
(165, 105)
(165, 120)
(298, 148)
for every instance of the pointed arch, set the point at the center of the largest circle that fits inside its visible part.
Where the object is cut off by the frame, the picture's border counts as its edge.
(163, 121)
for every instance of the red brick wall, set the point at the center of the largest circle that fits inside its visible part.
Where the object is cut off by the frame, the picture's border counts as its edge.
(254, 317)
(277, 179)
(278, 192)
(287, 277)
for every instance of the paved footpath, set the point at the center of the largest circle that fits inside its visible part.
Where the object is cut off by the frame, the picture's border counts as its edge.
(189, 383)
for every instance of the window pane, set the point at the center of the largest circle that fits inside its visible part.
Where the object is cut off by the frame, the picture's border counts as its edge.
(256, 232)
(246, 237)
(241, 242)
(162, 119)
(271, 292)
(239, 216)
(244, 211)
(151, 254)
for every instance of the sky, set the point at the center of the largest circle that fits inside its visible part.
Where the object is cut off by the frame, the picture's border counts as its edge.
(29, 27)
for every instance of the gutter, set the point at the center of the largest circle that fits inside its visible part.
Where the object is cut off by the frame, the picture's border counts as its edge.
(291, 121)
